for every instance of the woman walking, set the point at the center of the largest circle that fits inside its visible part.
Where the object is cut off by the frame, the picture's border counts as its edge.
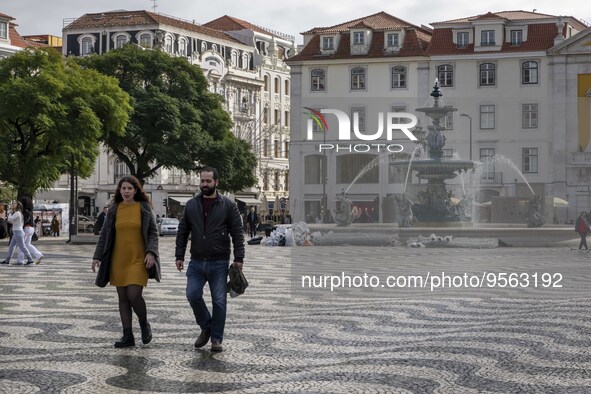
(127, 249)
(582, 227)
(18, 234)
(29, 228)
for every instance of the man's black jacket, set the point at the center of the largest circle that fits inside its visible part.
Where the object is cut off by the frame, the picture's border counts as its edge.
(211, 240)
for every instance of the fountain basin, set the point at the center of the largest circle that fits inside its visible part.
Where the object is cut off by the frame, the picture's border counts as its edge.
(383, 234)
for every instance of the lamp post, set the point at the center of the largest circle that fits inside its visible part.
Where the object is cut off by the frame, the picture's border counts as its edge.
(470, 143)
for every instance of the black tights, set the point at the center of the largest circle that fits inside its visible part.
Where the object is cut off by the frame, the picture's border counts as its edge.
(583, 240)
(131, 297)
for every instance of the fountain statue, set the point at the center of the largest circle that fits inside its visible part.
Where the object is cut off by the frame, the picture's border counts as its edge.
(345, 216)
(434, 204)
(534, 213)
(404, 215)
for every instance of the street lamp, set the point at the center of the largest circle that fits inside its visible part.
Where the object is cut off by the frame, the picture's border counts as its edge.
(470, 144)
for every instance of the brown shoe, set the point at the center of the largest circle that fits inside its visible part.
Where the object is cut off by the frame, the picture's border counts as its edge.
(216, 346)
(203, 338)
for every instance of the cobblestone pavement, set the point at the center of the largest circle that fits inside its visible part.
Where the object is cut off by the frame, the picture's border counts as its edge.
(57, 331)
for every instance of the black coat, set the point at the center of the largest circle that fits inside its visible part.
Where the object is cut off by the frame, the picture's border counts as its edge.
(104, 246)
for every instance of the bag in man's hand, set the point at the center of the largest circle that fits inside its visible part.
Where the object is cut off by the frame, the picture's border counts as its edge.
(237, 283)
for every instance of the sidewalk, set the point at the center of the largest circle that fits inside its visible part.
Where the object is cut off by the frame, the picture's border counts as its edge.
(57, 330)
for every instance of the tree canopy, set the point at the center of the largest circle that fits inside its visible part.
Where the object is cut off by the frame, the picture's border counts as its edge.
(176, 121)
(52, 112)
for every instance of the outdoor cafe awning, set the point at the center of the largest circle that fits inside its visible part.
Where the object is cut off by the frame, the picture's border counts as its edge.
(248, 200)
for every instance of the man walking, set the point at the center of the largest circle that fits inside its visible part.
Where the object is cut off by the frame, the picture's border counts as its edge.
(211, 219)
(252, 220)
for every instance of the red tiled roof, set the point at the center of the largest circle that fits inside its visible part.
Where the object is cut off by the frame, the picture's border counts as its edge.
(379, 21)
(18, 41)
(540, 37)
(230, 23)
(513, 16)
(142, 17)
(415, 44)
(416, 39)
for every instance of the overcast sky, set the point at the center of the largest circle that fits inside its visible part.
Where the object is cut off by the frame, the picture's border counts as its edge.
(290, 17)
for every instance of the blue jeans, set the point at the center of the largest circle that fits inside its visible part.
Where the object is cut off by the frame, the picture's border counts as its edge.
(18, 238)
(216, 273)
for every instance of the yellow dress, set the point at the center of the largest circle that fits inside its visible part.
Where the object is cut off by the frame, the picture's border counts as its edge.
(127, 260)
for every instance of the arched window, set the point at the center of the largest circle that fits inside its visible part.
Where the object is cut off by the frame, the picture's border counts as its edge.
(358, 78)
(183, 46)
(145, 39)
(266, 79)
(529, 73)
(234, 58)
(120, 40)
(445, 74)
(286, 90)
(121, 170)
(277, 85)
(245, 61)
(203, 46)
(87, 44)
(168, 44)
(487, 74)
(398, 77)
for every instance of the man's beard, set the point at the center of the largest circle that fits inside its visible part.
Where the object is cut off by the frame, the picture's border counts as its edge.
(208, 191)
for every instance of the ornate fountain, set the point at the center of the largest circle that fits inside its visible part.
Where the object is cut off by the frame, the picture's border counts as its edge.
(434, 204)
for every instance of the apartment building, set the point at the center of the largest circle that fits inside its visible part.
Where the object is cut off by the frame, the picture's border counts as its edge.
(496, 69)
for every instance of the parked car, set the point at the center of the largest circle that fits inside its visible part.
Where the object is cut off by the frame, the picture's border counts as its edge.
(168, 226)
(85, 224)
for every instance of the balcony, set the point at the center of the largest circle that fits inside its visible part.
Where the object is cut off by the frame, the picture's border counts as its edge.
(582, 159)
(495, 178)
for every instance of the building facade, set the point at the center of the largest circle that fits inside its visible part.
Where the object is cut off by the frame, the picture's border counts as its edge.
(495, 69)
(233, 68)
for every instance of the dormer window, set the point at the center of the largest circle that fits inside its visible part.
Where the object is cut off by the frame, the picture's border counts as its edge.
(358, 38)
(182, 47)
(328, 43)
(487, 38)
(3, 30)
(393, 40)
(462, 39)
(516, 37)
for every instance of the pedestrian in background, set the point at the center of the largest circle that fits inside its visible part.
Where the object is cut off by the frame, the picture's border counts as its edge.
(211, 219)
(3, 224)
(252, 220)
(582, 227)
(55, 226)
(100, 220)
(29, 229)
(128, 246)
(18, 234)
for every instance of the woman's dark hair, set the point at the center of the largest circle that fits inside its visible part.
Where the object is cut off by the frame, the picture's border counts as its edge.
(139, 192)
(19, 206)
(27, 203)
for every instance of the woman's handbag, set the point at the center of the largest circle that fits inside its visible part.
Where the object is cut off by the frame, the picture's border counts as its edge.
(154, 271)
(103, 274)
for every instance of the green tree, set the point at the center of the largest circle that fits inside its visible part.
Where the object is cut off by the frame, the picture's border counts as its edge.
(52, 112)
(176, 121)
